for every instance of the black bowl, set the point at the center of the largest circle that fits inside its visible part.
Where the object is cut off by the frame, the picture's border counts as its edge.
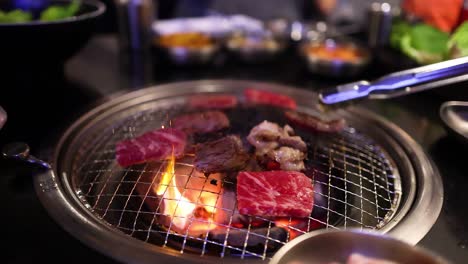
(48, 43)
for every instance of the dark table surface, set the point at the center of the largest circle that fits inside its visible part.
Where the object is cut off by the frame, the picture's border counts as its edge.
(41, 102)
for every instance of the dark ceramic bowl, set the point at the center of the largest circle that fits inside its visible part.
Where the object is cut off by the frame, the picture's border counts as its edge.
(39, 43)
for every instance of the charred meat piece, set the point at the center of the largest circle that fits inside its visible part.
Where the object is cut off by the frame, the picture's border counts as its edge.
(222, 155)
(154, 145)
(203, 122)
(265, 136)
(251, 165)
(218, 101)
(289, 159)
(275, 193)
(312, 123)
(289, 139)
(269, 135)
(255, 96)
(279, 144)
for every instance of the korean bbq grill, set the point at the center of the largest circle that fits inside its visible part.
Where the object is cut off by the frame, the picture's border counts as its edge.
(371, 175)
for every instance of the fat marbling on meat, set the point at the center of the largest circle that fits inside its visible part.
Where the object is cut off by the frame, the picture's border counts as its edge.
(158, 144)
(279, 144)
(275, 193)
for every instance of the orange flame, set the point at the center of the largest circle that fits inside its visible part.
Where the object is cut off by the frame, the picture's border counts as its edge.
(194, 210)
(175, 205)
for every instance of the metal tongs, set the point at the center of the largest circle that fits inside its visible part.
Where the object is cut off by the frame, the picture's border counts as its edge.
(399, 83)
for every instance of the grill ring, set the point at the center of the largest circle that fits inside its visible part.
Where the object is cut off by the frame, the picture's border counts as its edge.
(419, 207)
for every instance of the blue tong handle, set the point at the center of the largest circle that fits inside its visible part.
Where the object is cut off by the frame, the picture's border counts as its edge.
(396, 81)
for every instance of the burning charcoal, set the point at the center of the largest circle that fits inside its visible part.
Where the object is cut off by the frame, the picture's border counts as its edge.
(257, 236)
(214, 182)
(227, 210)
(222, 155)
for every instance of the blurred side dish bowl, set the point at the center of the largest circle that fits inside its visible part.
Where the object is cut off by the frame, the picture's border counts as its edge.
(188, 47)
(255, 47)
(334, 57)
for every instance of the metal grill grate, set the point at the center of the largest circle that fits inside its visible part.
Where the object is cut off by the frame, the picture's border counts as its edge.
(355, 185)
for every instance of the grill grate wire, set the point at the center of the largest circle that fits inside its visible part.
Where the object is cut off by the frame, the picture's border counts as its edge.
(355, 186)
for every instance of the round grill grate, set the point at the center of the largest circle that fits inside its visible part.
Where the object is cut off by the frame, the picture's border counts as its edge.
(356, 185)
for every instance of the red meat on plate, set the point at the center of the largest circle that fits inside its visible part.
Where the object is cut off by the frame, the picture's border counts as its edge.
(275, 193)
(255, 96)
(154, 145)
(213, 101)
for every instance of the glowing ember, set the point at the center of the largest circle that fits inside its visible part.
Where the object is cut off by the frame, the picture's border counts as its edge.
(193, 210)
(204, 205)
(297, 226)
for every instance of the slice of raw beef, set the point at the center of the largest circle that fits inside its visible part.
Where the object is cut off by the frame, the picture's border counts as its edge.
(212, 101)
(256, 96)
(203, 122)
(154, 145)
(274, 193)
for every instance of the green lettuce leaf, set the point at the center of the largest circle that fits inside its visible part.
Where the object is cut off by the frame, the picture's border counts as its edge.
(420, 56)
(56, 12)
(15, 16)
(458, 43)
(399, 30)
(429, 39)
(423, 43)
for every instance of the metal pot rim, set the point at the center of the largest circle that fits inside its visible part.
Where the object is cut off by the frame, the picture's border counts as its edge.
(364, 233)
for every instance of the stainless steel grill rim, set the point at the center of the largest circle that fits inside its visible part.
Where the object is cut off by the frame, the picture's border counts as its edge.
(73, 201)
